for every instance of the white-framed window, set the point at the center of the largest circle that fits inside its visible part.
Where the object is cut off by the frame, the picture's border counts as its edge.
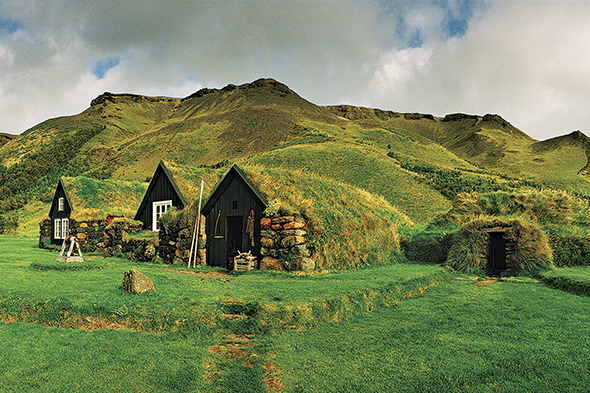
(159, 208)
(57, 229)
(60, 204)
(61, 228)
(65, 227)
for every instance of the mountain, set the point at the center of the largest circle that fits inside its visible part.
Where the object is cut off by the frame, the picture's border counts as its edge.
(417, 162)
(5, 138)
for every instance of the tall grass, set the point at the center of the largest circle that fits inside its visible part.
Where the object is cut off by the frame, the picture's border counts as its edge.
(528, 250)
(542, 206)
(93, 198)
(348, 227)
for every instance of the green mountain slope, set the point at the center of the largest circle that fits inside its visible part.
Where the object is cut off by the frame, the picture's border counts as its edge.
(417, 162)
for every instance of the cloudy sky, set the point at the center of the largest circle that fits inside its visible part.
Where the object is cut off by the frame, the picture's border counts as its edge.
(527, 60)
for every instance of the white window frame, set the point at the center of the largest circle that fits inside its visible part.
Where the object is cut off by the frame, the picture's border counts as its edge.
(61, 228)
(158, 209)
(60, 204)
(57, 229)
(65, 227)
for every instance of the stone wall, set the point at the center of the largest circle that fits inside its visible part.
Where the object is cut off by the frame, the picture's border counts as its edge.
(284, 244)
(117, 241)
(175, 243)
(45, 234)
(90, 234)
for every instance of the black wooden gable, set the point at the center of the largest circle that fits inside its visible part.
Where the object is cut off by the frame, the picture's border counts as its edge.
(233, 214)
(60, 192)
(162, 188)
(235, 173)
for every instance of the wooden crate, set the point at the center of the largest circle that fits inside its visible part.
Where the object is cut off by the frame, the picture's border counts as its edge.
(244, 264)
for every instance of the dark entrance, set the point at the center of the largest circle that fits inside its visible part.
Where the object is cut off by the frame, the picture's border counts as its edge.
(234, 239)
(497, 253)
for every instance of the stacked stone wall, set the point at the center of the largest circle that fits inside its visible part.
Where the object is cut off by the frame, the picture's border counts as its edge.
(284, 244)
(175, 243)
(90, 234)
(117, 242)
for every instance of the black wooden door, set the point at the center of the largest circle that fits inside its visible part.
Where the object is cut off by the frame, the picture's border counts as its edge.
(235, 234)
(497, 252)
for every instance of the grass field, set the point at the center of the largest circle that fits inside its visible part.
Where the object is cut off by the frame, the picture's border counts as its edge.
(456, 337)
(351, 331)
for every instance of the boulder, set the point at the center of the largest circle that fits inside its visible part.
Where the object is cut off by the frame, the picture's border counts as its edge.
(266, 242)
(282, 220)
(302, 264)
(136, 282)
(291, 241)
(269, 263)
(299, 250)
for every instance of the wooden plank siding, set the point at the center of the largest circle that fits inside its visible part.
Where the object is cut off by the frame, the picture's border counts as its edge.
(55, 213)
(162, 188)
(226, 213)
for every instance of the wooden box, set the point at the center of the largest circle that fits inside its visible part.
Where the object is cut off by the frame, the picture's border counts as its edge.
(244, 264)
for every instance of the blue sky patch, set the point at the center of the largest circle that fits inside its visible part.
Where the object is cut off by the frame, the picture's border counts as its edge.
(10, 26)
(103, 66)
(456, 22)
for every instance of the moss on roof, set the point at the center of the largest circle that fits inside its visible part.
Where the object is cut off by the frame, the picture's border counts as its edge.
(92, 199)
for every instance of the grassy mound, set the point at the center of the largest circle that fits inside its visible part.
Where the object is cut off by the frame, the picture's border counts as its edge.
(347, 227)
(570, 244)
(527, 247)
(542, 206)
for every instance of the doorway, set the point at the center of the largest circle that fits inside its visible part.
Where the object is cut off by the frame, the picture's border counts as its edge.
(497, 252)
(235, 226)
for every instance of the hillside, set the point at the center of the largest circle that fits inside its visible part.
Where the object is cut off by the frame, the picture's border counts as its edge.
(5, 138)
(418, 162)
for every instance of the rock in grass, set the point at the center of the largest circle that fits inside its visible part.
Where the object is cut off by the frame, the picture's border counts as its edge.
(270, 263)
(302, 264)
(136, 282)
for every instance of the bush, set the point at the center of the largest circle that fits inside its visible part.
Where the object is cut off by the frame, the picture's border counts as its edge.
(428, 246)
(571, 245)
(8, 224)
(545, 207)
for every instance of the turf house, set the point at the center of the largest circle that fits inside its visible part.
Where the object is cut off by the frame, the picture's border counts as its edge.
(59, 214)
(233, 213)
(86, 207)
(161, 195)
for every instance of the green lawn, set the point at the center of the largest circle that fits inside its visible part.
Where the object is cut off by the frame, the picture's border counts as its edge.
(456, 337)
(346, 332)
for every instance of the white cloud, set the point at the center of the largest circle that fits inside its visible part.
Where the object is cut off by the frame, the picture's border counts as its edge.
(527, 61)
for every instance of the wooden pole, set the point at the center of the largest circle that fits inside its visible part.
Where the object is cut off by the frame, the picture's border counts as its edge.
(195, 242)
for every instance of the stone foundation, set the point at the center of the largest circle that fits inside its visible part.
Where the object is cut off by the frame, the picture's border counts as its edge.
(284, 244)
(175, 243)
(117, 242)
(90, 234)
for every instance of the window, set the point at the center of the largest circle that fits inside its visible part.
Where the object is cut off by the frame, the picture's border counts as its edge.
(65, 227)
(61, 228)
(60, 204)
(234, 204)
(159, 209)
(57, 229)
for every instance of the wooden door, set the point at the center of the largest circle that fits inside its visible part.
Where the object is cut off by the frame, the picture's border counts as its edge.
(497, 252)
(234, 242)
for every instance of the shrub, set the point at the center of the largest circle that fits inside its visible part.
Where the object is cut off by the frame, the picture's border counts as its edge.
(429, 246)
(8, 224)
(570, 244)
